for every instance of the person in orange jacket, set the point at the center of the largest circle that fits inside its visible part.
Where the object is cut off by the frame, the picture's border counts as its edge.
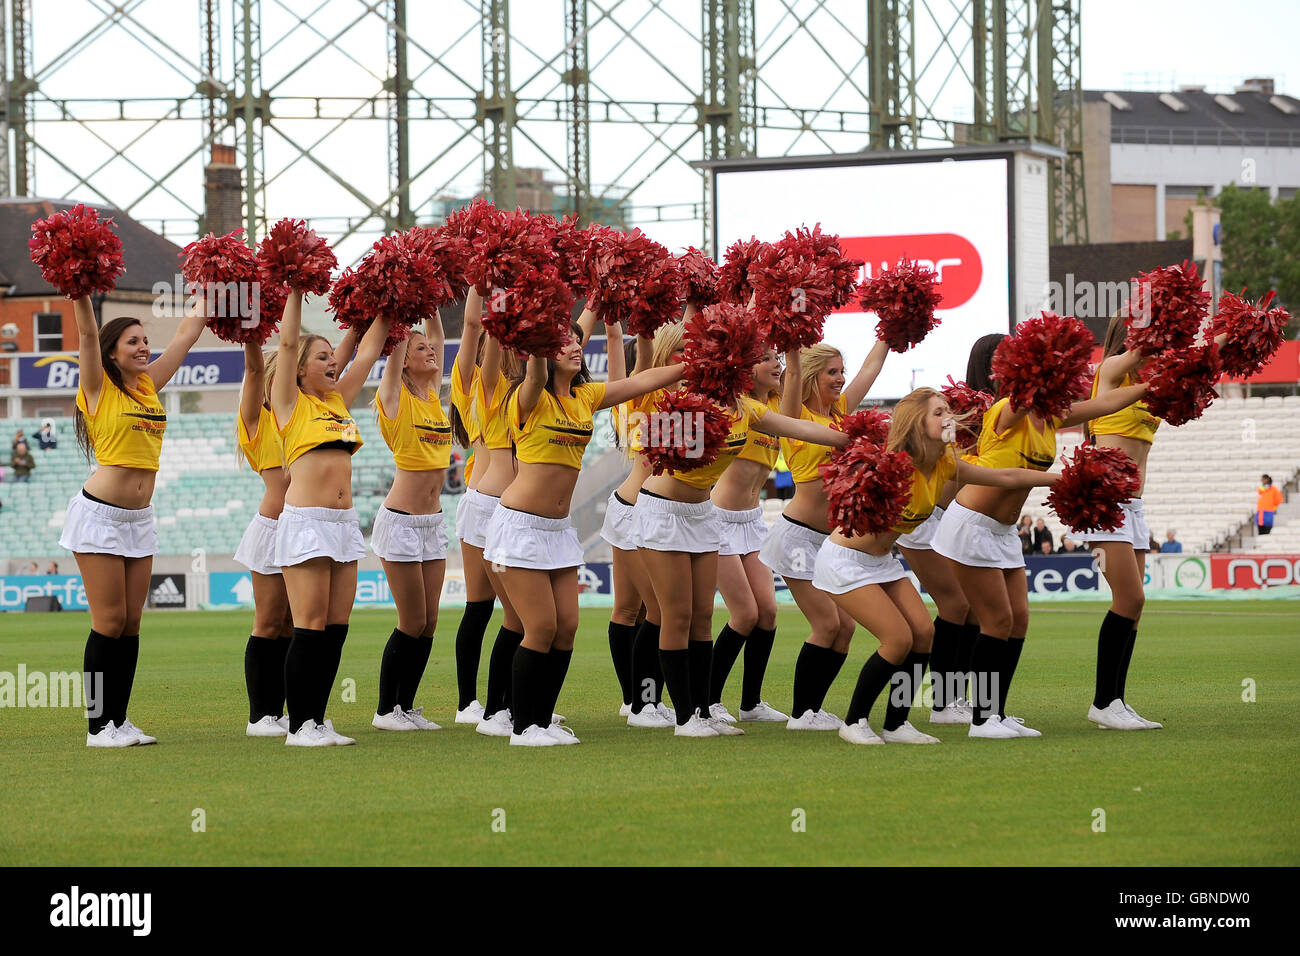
(1269, 498)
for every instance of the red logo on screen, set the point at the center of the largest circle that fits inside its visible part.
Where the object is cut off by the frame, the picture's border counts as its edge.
(952, 257)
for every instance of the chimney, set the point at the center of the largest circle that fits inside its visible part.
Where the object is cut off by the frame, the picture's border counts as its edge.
(1256, 84)
(223, 192)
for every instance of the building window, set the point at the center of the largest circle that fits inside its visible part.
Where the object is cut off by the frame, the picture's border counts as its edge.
(49, 332)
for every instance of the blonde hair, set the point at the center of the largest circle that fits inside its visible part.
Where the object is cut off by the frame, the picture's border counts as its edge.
(667, 341)
(304, 349)
(812, 362)
(907, 425)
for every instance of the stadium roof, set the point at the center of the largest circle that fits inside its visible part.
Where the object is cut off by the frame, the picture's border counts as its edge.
(149, 257)
(1196, 117)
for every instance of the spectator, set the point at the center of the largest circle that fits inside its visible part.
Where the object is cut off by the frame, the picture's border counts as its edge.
(46, 436)
(1172, 545)
(1069, 546)
(33, 568)
(18, 437)
(22, 462)
(1026, 532)
(1045, 547)
(1267, 503)
(1041, 535)
(52, 568)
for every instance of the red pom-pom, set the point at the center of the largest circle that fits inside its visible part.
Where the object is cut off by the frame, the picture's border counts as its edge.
(348, 301)
(633, 280)
(904, 298)
(449, 252)
(685, 431)
(400, 283)
(1168, 309)
(222, 272)
(701, 276)
(469, 220)
(733, 275)
(870, 424)
(1044, 365)
(535, 314)
(722, 344)
(294, 255)
(78, 253)
(867, 488)
(825, 248)
(505, 246)
(1254, 334)
(1087, 496)
(968, 406)
(794, 292)
(1182, 383)
(573, 246)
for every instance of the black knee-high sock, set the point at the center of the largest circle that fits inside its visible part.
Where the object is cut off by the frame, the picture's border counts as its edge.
(986, 677)
(758, 648)
(469, 649)
(331, 654)
(96, 677)
(1112, 641)
(805, 673)
(646, 673)
(528, 675)
(1015, 646)
(261, 655)
(725, 651)
(501, 671)
(701, 665)
(128, 652)
(872, 679)
(677, 675)
(969, 635)
(273, 677)
(414, 662)
(557, 670)
(832, 661)
(621, 638)
(903, 686)
(253, 660)
(390, 671)
(1121, 677)
(300, 675)
(943, 663)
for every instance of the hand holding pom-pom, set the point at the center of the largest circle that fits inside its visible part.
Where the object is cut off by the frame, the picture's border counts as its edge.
(1168, 309)
(350, 303)
(701, 276)
(1182, 383)
(1043, 367)
(633, 281)
(294, 255)
(870, 424)
(78, 253)
(722, 344)
(1087, 496)
(904, 298)
(685, 431)
(867, 488)
(534, 315)
(733, 275)
(1254, 333)
(968, 406)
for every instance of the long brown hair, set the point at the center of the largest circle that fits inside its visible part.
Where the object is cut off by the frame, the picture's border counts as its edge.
(108, 339)
(907, 425)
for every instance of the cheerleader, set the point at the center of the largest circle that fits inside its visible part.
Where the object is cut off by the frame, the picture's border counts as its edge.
(978, 533)
(814, 391)
(678, 532)
(318, 540)
(868, 583)
(746, 583)
(110, 526)
(410, 533)
(531, 536)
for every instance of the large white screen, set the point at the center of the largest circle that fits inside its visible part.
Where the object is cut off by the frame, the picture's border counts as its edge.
(953, 213)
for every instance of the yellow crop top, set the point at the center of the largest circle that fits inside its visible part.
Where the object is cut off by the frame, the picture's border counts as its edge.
(493, 427)
(1021, 446)
(263, 450)
(635, 418)
(1131, 422)
(557, 430)
(420, 436)
(761, 447)
(317, 422)
(926, 492)
(462, 399)
(706, 477)
(806, 458)
(127, 427)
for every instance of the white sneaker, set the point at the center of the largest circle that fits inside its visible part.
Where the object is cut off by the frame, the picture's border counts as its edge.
(309, 735)
(563, 735)
(533, 736)
(268, 726)
(141, 737)
(907, 734)
(763, 711)
(328, 730)
(394, 721)
(420, 721)
(1113, 717)
(624, 710)
(558, 718)
(1149, 724)
(723, 728)
(498, 725)
(1018, 725)
(859, 733)
(719, 712)
(668, 713)
(284, 723)
(110, 736)
(810, 720)
(830, 720)
(472, 713)
(697, 726)
(649, 717)
(992, 729)
(954, 712)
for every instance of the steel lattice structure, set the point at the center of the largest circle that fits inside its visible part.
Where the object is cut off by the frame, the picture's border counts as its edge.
(610, 99)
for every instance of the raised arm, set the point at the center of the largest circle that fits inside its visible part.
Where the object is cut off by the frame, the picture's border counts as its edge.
(490, 370)
(534, 383)
(792, 388)
(645, 351)
(1004, 477)
(284, 387)
(92, 369)
(253, 388)
(346, 352)
(800, 429)
(587, 322)
(368, 352)
(164, 366)
(437, 337)
(642, 383)
(857, 389)
(389, 393)
(1111, 372)
(689, 311)
(471, 332)
(1107, 404)
(614, 349)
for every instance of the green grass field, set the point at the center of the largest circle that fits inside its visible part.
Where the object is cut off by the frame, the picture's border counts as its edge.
(1215, 787)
